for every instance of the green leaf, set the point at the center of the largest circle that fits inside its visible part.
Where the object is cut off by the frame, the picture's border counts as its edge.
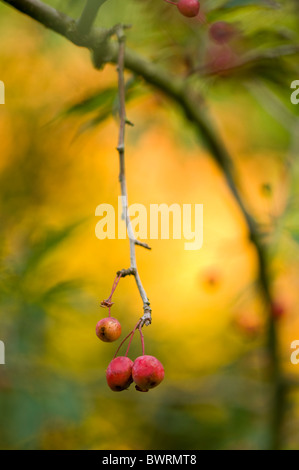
(61, 290)
(110, 107)
(48, 243)
(250, 3)
(104, 98)
(97, 120)
(295, 236)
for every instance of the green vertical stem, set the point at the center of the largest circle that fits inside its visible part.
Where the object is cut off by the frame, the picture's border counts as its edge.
(89, 15)
(275, 377)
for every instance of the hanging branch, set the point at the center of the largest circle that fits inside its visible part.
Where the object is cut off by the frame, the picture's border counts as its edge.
(146, 318)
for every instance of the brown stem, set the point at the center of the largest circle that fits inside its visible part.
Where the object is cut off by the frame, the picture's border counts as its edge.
(138, 325)
(131, 339)
(108, 302)
(115, 284)
(123, 341)
(142, 338)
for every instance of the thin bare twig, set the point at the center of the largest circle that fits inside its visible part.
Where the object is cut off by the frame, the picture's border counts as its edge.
(146, 318)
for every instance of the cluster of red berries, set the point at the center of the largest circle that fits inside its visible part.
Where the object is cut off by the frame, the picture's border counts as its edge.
(220, 31)
(220, 55)
(146, 371)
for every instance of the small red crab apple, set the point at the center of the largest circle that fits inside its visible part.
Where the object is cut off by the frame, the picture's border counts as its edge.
(147, 372)
(248, 324)
(189, 8)
(220, 58)
(108, 329)
(278, 309)
(119, 373)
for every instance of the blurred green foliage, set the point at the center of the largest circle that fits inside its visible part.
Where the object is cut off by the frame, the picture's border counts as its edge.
(215, 395)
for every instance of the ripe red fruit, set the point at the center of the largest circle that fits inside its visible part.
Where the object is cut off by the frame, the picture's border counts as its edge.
(221, 32)
(108, 329)
(147, 372)
(248, 324)
(211, 277)
(278, 310)
(189, 8)
(119, 373)
(220, 59)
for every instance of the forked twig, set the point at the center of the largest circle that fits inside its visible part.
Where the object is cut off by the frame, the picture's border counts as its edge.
(146, 318)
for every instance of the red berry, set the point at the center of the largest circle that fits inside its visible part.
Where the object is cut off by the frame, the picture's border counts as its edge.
(119, 373)
(220, 59)
(140, 389)
(212, 277)
(189, 8)
(278, 310)
(108, 329)
(147, 372)
(248, 323)
(221, 32)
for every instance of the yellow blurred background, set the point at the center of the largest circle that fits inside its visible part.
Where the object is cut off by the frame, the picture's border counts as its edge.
(208, 325)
